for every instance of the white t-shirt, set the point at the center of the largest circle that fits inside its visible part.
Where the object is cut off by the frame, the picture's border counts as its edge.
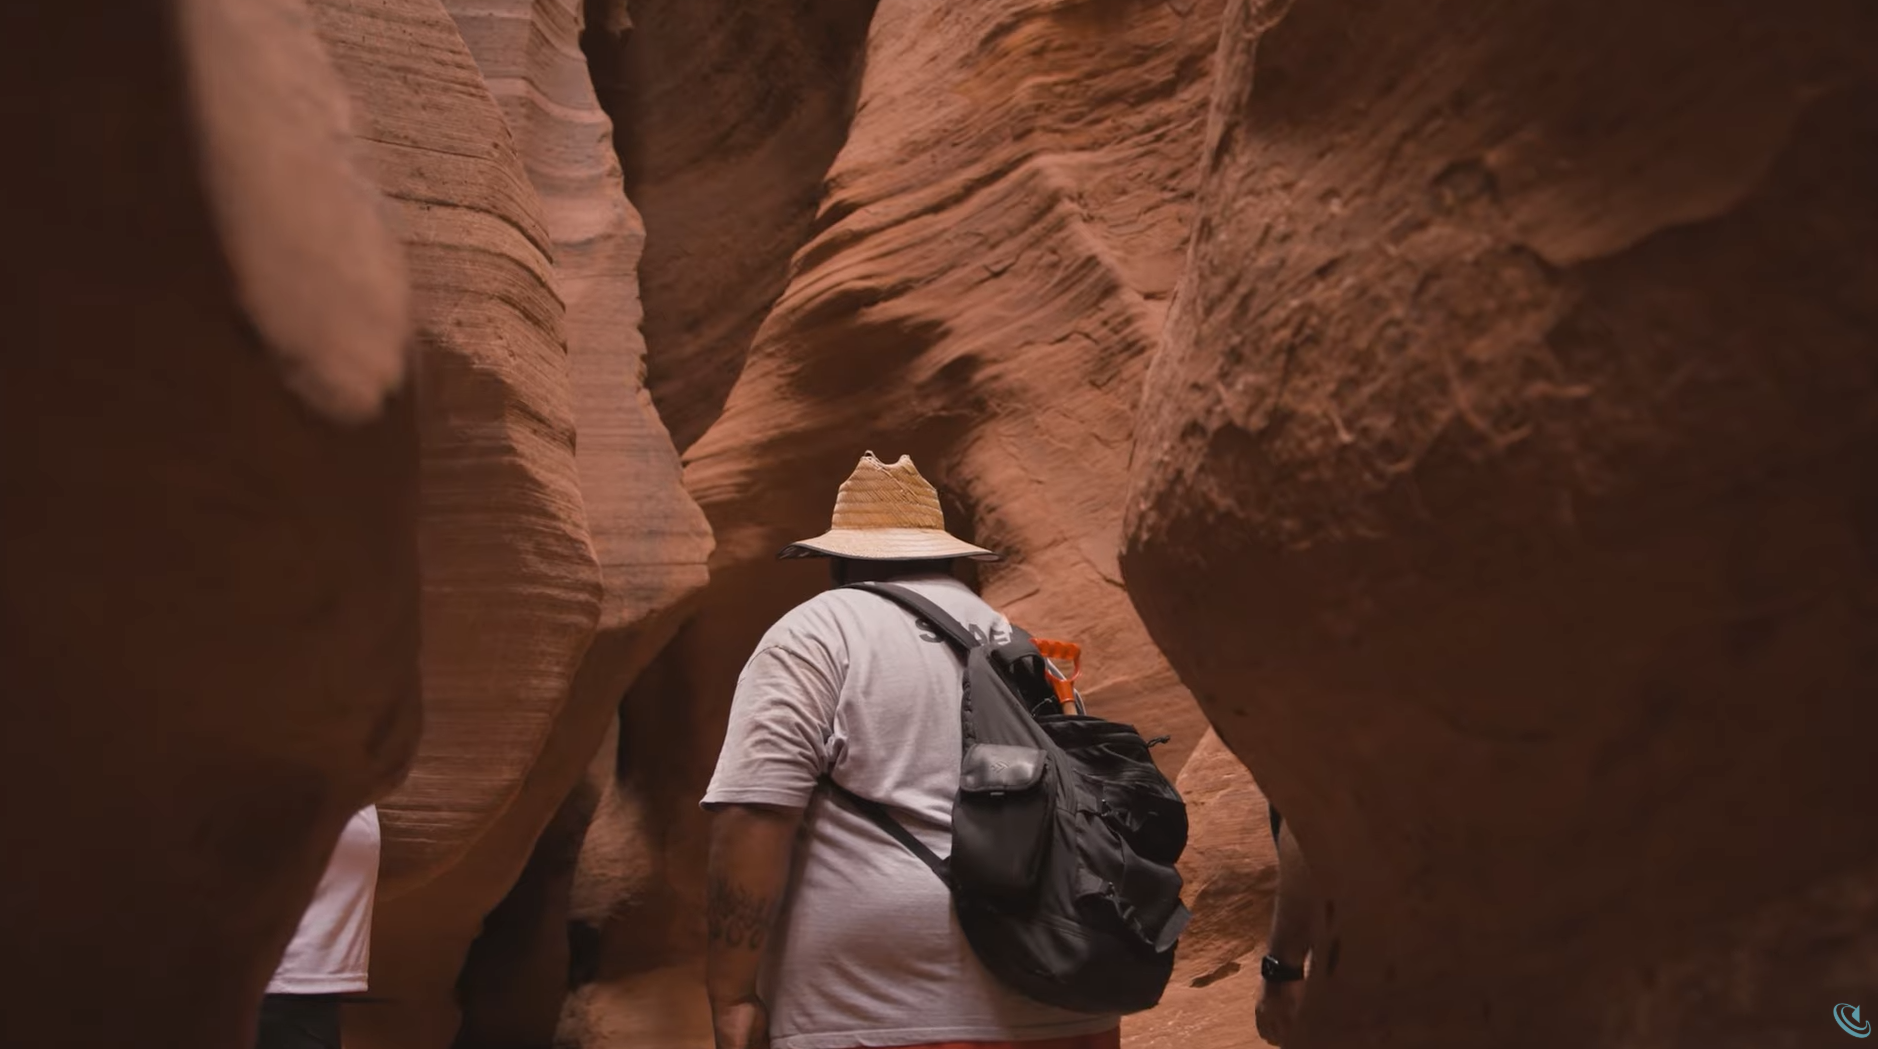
(867, 951)
(332, 949)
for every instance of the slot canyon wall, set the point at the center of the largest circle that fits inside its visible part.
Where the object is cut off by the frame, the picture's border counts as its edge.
(1504, 491)
(1472, 406)
(558, 547)
(208, 462)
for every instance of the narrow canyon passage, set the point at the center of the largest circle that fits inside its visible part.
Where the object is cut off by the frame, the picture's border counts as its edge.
(1454, 423)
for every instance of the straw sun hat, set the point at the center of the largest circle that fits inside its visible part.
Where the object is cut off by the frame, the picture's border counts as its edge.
(887, 513)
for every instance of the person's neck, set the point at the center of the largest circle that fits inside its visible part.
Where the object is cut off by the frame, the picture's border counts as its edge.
(887, 571)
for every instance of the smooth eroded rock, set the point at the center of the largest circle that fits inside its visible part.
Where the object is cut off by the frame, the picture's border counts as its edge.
(208, 460)
(650, 537)
(729, 113)
(512, 587)
(1503, 491)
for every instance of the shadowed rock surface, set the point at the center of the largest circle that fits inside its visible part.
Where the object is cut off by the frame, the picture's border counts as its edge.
(208, 460)
(1503, 491)
(729, 113)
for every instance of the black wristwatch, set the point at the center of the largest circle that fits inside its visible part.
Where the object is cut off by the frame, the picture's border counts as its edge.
(1276, 971)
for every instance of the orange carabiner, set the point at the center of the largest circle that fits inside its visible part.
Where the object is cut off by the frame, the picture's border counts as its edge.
(1055, 654)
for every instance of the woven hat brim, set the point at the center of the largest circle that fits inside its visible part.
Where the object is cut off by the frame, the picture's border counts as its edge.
(888, 544)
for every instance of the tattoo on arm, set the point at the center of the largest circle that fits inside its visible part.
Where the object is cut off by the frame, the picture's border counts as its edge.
(736, 918)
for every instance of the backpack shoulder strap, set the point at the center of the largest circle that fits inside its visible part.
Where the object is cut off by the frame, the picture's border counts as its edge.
(878, 815)
(960, 637)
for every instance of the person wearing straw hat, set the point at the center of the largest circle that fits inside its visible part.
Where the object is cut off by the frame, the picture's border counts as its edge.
(823, 933)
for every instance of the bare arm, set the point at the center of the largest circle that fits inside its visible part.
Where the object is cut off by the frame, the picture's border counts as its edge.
(1293, 913)
(746, 877)
(1296, 905)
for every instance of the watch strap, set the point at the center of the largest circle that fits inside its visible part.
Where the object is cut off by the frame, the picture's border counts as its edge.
(1275, 971)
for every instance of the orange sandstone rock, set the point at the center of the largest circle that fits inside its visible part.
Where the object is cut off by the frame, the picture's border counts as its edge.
(512, 590)
(1502, 490)
(208, 462)
(551, 575)
(729, 113)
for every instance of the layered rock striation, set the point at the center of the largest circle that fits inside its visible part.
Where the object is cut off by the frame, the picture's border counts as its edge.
(549, 575)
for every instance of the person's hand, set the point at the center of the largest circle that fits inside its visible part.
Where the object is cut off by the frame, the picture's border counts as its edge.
(1277, 1009)
(742, 1025)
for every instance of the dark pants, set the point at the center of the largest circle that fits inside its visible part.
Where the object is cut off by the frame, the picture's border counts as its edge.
(299, 1021)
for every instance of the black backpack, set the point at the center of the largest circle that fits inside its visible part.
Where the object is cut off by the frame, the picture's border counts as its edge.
(1064, 835)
